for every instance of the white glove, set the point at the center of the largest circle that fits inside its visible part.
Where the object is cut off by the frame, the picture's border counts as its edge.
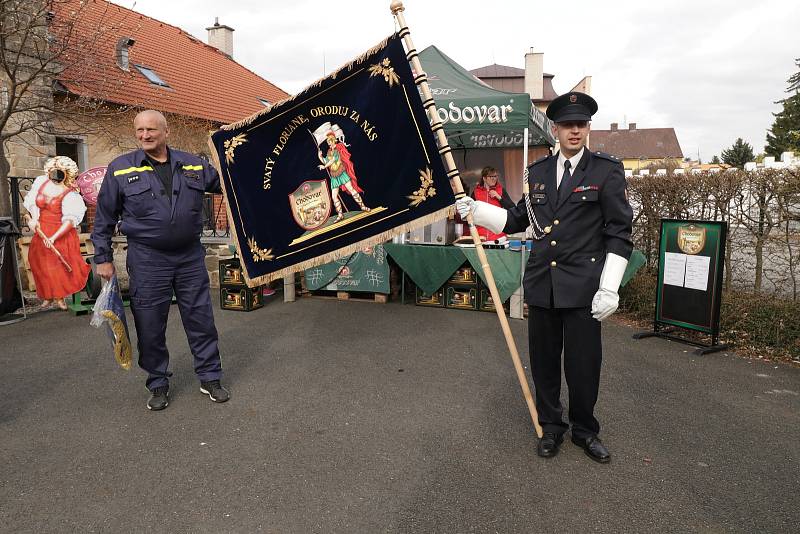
(464, 206)
(606, 300)
(491, 217)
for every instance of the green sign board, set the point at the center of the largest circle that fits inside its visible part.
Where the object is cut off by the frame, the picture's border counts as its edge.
(689, 288)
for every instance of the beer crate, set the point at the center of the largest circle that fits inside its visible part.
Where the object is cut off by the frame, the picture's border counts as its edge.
(231, 273)
(461, 297)
(241, 298)
(464, 276)
(485, 301)
(435, 299)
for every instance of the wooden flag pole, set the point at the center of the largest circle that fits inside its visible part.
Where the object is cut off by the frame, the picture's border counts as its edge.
(455, 181)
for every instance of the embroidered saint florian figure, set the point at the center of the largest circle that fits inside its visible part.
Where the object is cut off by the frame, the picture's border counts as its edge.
(341, 172)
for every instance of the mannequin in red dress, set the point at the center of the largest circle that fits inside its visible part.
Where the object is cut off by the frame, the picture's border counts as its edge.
(55, 210)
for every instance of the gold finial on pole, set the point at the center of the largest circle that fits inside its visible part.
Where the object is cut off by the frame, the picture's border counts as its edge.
(396, 6)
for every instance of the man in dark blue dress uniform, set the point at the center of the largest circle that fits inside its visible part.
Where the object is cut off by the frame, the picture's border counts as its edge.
(581, 222)
(157, 193)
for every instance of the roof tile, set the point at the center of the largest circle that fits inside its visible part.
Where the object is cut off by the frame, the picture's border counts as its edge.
(203, 82)
(650, 143)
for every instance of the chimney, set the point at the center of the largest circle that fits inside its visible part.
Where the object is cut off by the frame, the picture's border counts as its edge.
(534, 74)
(632, 126)
(221, 37)
(614, 126)
(123, 53)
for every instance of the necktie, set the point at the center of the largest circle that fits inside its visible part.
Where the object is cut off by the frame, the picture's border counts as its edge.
(566, 176)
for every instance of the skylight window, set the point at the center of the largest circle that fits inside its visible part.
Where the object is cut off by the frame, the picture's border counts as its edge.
(264, 101)
(151, 75)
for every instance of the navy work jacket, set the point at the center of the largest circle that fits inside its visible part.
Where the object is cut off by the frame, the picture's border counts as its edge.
(132, 192)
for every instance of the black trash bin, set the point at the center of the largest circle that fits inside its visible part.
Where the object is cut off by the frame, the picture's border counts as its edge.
(10, 296)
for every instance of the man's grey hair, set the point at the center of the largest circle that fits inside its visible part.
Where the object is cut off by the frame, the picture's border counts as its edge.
(161, 118)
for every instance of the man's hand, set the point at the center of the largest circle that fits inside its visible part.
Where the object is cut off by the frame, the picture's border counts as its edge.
(105, 270)
(604, 303)
(464, 206)
(483, 214)
(606, 300)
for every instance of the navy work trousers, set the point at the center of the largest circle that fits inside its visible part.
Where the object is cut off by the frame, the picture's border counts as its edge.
(154, 276)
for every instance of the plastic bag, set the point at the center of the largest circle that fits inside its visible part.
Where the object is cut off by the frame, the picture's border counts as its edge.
(108, 310)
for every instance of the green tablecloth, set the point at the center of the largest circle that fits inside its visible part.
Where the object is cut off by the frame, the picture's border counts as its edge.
(430, 266)
(361, 271)
(636, 261)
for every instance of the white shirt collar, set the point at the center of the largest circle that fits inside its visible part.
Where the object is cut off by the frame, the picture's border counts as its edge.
(573, 161)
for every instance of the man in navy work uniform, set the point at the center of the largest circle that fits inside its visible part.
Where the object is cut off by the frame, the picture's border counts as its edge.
(581, 222)
(157, 192)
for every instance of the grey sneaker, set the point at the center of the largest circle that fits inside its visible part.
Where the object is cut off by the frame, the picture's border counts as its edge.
(159, 398)
(215, 391)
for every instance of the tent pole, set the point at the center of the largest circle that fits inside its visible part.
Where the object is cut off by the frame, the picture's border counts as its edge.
(421, 80)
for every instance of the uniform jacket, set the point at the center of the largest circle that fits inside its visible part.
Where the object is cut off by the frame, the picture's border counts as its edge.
(592, 218)
(132, 191)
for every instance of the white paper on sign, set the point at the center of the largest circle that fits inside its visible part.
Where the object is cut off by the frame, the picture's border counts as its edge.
(697, 272)
(674, 268)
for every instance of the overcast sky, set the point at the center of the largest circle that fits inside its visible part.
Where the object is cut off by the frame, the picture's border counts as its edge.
(711, 69)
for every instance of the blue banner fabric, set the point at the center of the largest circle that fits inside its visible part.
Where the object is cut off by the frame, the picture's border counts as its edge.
(349, 162)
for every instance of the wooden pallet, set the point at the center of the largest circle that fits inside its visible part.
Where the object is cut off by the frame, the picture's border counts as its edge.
(359, 296)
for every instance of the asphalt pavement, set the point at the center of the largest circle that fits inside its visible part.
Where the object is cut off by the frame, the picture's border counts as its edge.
(363, 417)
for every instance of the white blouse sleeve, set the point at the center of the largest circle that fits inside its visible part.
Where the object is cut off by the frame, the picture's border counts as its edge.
(30, 199)
(72, 208)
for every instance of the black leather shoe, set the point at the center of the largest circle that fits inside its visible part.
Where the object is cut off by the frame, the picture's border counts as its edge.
(548, 445)
(159, 399)
(593, 448)
(215, 391)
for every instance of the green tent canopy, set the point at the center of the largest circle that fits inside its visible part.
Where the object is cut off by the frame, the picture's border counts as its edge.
(476, 115)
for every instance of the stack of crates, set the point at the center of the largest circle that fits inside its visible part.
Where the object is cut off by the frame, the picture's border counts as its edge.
(461, 290)
(464, 291)
(233, 291)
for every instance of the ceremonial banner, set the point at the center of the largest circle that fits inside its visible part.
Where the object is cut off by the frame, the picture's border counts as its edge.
(349, 162)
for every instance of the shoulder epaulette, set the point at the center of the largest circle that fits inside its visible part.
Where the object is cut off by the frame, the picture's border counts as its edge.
(540, 160)
(609, 157)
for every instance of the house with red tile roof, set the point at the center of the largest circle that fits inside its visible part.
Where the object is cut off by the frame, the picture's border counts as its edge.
(638, 148)
(125, 61)
(532, 79)
(117, 62)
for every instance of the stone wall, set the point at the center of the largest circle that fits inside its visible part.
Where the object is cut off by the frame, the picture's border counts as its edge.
(214, 253)
(28, 152)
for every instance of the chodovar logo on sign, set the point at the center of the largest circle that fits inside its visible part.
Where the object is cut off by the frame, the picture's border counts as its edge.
(474, 114)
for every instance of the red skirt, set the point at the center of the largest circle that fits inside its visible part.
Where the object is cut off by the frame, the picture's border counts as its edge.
(51, 276)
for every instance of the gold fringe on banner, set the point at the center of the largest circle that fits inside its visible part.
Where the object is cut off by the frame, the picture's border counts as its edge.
(325, 258)
(378, 239)
(333, 255)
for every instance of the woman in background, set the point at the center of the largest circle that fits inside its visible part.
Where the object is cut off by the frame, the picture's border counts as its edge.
(490, 190)
(55, 210)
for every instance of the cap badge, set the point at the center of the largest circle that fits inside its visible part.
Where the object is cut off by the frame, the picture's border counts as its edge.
(573, 98)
